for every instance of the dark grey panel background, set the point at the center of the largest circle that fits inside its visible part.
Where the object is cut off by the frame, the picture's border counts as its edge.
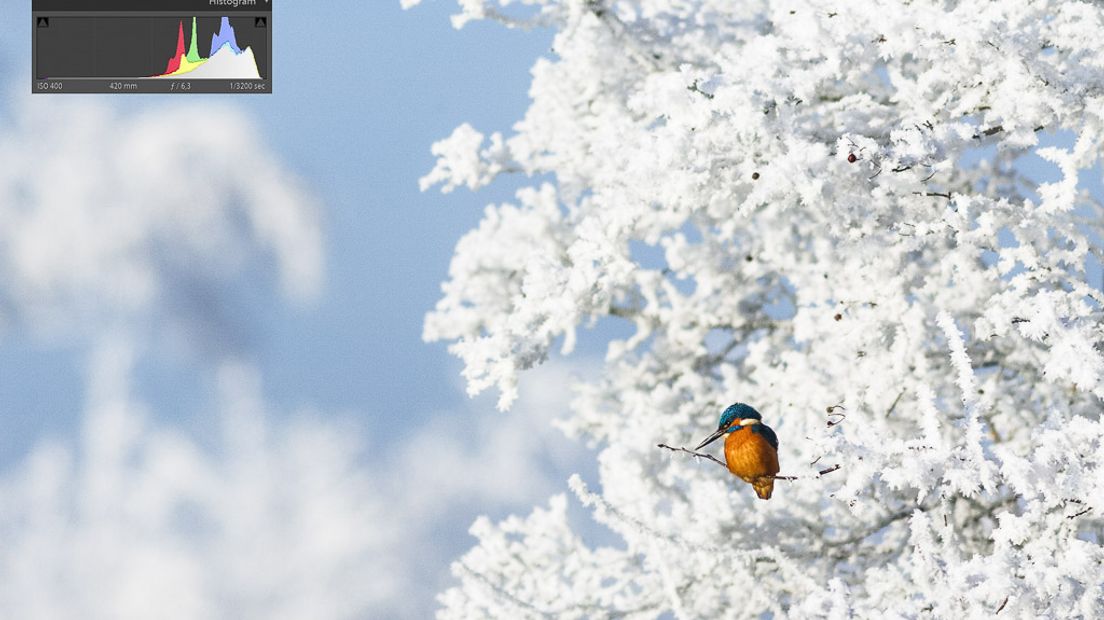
(175, 6)
(131, 47)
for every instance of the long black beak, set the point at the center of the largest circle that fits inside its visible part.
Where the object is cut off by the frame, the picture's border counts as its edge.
(710, 439)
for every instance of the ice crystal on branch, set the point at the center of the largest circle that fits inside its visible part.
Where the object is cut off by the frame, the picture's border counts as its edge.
(838, 192)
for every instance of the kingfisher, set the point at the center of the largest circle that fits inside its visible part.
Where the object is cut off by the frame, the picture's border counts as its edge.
(751, 448)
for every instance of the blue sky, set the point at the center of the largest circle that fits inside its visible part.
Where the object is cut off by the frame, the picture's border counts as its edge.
(362, 90)
(358, 124)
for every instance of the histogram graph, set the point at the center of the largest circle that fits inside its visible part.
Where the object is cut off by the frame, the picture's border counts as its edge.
(152, 51)
(225, 61)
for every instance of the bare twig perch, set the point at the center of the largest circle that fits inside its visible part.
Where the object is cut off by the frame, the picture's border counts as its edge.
(723, 464)
(697, 454)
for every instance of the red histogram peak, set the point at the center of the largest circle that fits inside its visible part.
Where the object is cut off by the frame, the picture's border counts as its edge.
(174, 62)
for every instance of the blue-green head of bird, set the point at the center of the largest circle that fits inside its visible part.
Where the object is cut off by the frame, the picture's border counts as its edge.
(733, 419)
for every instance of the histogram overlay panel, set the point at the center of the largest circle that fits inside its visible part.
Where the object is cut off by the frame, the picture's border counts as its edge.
(152, 46)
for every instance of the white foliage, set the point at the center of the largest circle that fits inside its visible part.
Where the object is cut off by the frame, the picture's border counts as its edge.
(836, 192)
(461, 161)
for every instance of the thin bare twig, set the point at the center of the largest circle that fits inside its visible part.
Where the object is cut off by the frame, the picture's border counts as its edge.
(697, 454)
(1074, 516)
(934, 194)
(725, 465)
(894, 405)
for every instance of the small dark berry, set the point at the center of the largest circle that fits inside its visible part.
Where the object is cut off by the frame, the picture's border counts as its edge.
(851, 158)
(748, 258)
(838, 317)
(754, 176)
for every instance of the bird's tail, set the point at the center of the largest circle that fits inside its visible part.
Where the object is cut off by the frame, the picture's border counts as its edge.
(763, 487)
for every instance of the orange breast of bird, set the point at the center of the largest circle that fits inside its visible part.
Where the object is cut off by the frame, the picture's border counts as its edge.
(751, 458)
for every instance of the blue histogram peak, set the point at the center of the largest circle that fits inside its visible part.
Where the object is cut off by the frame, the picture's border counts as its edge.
(224, 36)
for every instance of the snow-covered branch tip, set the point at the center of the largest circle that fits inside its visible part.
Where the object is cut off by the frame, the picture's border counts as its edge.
(710, 457)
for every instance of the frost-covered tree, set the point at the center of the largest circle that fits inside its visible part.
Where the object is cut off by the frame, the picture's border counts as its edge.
(840, 213)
